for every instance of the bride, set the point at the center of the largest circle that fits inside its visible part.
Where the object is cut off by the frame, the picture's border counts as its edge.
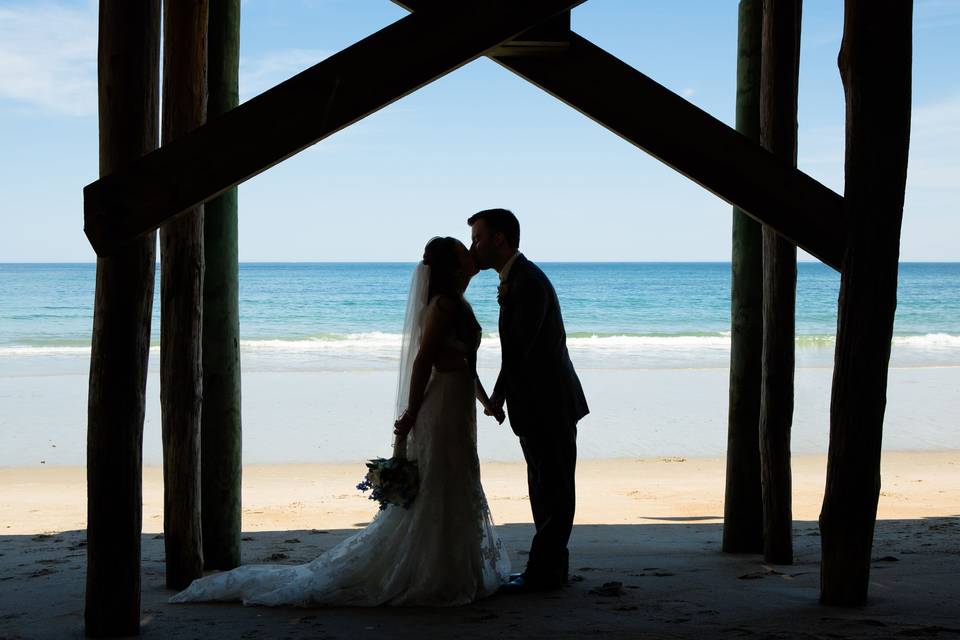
(443, 549)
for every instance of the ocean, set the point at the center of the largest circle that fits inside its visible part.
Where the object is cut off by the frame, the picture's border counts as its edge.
(341, 322)
(616, 314)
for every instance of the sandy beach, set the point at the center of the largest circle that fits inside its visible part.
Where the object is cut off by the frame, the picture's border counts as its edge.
(652, 525)
(649, 517)
(615, 491)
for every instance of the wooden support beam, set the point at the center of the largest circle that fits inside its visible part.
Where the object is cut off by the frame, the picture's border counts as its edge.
(128, 68)
(743, 501)
(220, 433)
(181, 301)
(875, 65)
(691, 141)
(780, 71)
(547, 37)
(305, 109)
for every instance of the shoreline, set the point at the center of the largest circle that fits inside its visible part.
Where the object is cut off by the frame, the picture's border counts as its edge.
(915, 484)
(634, 413)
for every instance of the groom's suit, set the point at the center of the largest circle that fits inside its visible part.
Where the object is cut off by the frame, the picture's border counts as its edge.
(544, 401)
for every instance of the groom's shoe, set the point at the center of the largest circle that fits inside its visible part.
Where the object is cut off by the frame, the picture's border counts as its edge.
(524, 584)
(516, 585)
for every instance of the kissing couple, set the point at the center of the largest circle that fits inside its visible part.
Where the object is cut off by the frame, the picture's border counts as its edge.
(443, 550)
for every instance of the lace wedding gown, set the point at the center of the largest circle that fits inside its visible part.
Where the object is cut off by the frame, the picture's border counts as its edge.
(441, 551)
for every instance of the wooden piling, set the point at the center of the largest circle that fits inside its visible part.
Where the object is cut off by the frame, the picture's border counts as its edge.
(128, 68)
(220, 433)
(875, 65)
(743, 503)
(778, 134)
(181, 304)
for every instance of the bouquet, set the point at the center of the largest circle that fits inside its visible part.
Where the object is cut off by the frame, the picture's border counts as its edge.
(391, 481)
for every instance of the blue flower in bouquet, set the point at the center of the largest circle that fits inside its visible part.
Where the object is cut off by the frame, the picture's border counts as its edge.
(391, 481)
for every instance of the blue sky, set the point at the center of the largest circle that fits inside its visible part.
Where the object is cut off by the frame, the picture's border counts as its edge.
(474, 139)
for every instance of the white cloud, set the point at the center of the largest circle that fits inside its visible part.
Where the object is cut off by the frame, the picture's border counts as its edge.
(259, 73)
(48, 57)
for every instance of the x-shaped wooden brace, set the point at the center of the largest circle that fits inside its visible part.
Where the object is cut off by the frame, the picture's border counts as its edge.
(410, 53)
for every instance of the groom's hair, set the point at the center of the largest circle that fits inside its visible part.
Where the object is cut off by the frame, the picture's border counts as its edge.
(501, 220)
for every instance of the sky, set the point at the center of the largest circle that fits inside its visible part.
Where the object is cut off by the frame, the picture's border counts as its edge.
(474, 139)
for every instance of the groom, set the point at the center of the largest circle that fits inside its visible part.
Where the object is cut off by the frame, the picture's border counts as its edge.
(543, 394)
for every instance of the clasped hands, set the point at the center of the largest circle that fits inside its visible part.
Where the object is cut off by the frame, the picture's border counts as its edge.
(404, 424)
(495, 408)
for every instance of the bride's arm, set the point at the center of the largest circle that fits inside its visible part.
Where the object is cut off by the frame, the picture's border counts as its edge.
(434, 327)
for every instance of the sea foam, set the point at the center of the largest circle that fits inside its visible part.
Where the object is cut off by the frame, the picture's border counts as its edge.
(381, 350)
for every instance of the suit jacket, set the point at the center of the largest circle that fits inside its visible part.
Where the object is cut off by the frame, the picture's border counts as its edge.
(537, 379)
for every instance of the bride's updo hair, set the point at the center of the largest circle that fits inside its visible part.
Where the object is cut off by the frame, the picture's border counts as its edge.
(440, 255)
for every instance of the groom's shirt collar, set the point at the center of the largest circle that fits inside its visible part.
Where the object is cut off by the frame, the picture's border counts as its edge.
(506, 267)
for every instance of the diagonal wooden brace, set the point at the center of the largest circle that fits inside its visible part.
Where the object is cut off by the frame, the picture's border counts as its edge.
(693, 142)
(295, 114)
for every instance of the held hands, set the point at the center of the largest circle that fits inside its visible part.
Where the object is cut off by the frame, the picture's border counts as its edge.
(497, 414)
(495, 408)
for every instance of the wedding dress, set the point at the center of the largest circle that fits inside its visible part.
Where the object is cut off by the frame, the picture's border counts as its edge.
(441, 551)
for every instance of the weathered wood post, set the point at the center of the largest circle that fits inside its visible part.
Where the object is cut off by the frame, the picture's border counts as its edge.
(220, 435)
(778, 133)
(875, 65)
(128, 68)
(743, 502)
(181, 293)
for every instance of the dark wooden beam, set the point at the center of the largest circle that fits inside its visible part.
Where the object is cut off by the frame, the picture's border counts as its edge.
(220, 432)
(297, 113)
(546, 37)
(181, 301)
(686, 138)
(778, 133)
(876, 65)
(128, 69)
(743, 501)
(693, 142)
(549, 37)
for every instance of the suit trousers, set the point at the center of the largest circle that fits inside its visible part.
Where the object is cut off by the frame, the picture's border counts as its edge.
(551, 464)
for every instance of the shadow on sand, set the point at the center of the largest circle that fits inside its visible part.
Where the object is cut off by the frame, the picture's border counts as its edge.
(673, 582)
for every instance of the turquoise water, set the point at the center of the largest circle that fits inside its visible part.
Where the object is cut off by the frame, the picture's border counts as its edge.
(320, 347)
(51, 304)
(675, 312)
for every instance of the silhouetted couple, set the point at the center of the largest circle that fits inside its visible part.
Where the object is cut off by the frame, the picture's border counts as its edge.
(444, 550)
